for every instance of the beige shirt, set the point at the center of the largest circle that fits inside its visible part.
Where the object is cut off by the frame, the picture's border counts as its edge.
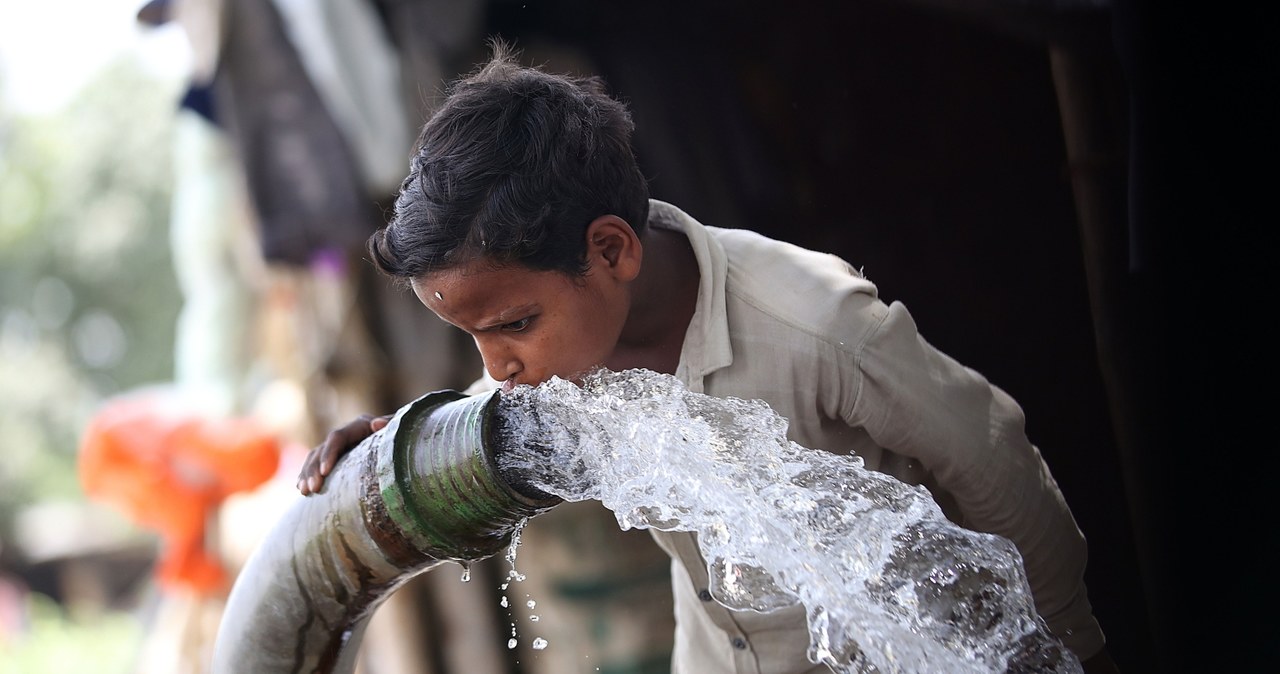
(807, 334)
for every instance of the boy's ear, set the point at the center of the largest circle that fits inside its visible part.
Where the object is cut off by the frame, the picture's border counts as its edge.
(614, 248)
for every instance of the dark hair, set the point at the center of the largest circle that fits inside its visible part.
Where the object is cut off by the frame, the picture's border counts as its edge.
(513, 167)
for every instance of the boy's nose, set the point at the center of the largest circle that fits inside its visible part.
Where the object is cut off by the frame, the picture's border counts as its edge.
(501, 364)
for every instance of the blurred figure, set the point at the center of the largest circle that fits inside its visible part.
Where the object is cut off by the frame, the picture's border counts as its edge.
(214, 260)
(168, 465)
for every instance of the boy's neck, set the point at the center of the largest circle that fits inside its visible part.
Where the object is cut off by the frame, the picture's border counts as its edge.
(663, 299)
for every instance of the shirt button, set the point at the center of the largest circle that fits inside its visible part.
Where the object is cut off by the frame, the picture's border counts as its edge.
(740, 643)
(704, 595)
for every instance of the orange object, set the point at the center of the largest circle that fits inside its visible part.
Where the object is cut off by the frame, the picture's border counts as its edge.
(169, 470)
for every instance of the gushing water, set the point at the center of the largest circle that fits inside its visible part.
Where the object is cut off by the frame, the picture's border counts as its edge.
(888, 583)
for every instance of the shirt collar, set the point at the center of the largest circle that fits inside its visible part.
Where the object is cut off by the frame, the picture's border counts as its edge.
(706, 343)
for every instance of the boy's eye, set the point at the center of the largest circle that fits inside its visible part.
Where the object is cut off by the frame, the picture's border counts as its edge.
(517, 326)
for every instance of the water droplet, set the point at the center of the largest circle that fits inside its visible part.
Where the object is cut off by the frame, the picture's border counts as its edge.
(504, 603)
(539, 644)
(511, 643)
(466, 574)
(533, 618)
(531, 603)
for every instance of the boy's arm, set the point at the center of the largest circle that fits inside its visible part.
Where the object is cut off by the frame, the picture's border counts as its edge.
(917, 402)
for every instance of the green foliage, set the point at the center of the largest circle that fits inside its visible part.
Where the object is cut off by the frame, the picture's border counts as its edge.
(88, 307)
(88, 298)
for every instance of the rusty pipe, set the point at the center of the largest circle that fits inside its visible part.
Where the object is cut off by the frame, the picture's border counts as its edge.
(423, 490)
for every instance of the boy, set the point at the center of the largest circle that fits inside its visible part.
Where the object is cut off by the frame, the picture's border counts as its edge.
(526, 222)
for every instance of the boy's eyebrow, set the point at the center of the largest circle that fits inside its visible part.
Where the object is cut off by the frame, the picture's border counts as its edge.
(508, 315)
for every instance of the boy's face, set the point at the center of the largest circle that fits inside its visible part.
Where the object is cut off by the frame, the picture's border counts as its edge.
(530, 325)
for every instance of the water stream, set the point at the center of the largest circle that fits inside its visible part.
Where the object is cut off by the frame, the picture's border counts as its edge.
(887, 582)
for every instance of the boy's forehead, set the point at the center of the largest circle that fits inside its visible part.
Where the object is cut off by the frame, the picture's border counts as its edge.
(466, 278)
(477, 287)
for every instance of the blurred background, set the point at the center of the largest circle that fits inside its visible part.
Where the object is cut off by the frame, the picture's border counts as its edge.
(88, 309)
(185, 188)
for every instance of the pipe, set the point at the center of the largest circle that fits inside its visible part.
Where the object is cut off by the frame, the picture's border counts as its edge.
(423, 490)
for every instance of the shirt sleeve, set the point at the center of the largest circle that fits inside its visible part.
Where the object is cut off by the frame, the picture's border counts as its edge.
(917, 402)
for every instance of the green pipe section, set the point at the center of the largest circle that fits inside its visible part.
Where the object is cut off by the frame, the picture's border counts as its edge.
(423, 490)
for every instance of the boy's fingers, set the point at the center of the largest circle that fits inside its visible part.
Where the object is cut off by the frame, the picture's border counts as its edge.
(342, 440)
(307, 478)
(329, 458)
(321, 460)
(306, 470)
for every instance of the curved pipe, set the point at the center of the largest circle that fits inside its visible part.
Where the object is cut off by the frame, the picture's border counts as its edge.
(423, 490)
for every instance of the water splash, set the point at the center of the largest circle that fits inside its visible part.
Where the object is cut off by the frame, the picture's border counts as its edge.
(888, 583)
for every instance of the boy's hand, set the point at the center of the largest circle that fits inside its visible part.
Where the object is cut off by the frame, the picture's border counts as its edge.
(321, 460)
